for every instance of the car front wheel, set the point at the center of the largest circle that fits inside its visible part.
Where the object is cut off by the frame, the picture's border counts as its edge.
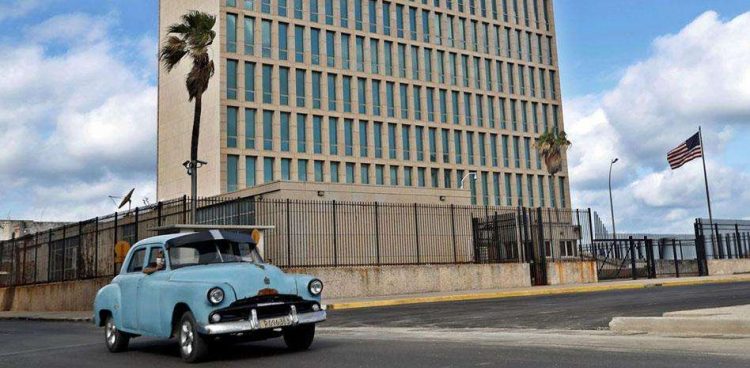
(299, 337)
(115, 339)
(193, 346)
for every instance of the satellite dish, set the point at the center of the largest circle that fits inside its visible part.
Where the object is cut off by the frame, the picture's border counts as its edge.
(126, 199)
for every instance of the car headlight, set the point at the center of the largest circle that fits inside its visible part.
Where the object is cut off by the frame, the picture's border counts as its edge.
(315, 286)
(215, 295)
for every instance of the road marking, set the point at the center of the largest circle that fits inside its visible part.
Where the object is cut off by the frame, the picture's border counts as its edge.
(47, 349)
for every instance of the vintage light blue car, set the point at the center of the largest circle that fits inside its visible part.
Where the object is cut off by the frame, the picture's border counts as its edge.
(205, 286)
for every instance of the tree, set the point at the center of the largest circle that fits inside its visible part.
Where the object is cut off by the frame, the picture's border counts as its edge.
(191, 38)
(551, 146)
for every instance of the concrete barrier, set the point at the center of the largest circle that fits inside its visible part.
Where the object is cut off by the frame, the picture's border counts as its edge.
(52, 297)
(342, 282)
(571, 272)
(728, 266)
(354, 282)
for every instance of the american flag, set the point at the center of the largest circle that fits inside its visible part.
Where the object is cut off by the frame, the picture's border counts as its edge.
(688, 150)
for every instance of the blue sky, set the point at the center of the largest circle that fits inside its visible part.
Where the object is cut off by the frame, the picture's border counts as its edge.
(638, 76)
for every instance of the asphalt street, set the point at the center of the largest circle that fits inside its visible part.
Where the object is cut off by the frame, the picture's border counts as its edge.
(553, 331)
(587, 311)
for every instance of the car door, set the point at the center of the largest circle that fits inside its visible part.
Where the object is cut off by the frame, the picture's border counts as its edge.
(129, 289)
(149, 294)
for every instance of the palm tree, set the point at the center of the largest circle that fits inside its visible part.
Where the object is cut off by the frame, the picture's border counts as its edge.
(191, 38)
(551, 146)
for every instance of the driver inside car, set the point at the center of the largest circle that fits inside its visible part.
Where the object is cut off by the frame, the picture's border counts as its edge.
(157, 265)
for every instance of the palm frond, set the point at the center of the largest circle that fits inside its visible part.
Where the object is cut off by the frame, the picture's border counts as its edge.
(173, 50)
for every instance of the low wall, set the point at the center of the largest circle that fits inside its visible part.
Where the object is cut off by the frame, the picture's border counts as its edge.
(56, 296)
(353, 282)
(573, 272)
(728, 266)
(343, 282)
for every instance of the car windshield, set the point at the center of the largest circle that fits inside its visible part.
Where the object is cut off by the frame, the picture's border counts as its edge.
(215, 251)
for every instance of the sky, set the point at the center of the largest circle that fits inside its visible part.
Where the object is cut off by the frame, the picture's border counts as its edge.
(78, 106)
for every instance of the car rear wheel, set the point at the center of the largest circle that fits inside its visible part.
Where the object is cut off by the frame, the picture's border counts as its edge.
(299, 337)
(193, 346)
(115, 339)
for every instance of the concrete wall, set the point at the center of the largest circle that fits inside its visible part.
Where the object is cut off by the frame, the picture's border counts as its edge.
(57, 296)
(574, 272)
(352, 282)
(728, 266)
(344, 282)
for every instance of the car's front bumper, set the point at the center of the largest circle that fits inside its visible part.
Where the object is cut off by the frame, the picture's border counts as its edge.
(253, 325)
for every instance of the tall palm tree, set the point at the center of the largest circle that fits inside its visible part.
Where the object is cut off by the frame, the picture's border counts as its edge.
(551, 146)
(191, 38)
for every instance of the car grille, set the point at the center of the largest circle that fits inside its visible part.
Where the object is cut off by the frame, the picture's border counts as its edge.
(265, 306)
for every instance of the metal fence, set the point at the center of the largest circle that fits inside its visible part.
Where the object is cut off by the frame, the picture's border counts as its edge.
(306, 234)
(726, 239)
(644, 257)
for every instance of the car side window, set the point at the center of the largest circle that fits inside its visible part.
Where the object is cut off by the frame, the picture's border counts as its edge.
(153, 254)
(136, 261)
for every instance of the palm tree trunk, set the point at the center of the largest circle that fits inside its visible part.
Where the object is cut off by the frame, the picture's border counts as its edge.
(194, 157)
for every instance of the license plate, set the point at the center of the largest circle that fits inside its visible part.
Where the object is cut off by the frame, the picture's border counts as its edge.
(275, 322)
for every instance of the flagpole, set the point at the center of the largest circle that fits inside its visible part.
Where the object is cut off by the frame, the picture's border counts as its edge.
(708, 195)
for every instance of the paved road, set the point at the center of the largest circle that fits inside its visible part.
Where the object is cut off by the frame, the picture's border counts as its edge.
(496, 333)
(68, 344)
(587, 311)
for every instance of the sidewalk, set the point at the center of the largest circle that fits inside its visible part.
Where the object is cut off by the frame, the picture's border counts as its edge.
(391, 300)
(726, 321)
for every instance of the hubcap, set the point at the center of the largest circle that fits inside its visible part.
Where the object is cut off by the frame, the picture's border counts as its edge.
(110, 333)
(186, 338)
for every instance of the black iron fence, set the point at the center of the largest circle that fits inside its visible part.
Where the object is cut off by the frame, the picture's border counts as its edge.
(307, 234)
(644, 257)
(724, 239)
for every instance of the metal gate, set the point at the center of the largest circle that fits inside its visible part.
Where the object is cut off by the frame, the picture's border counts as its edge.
(647, 258)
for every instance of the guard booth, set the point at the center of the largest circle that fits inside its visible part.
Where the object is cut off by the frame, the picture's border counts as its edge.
(256, 231)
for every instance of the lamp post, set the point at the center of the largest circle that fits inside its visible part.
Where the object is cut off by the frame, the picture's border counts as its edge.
(473, 174)
(611, 207)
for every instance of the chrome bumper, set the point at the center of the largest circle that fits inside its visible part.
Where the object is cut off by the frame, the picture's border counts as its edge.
(253, 324)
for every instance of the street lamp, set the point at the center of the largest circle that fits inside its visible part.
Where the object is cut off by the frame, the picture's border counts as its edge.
(611, 207)
(474, 174)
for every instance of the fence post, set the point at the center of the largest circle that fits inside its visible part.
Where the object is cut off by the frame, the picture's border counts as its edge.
(184, 208)
(136, 225)
(36, 254)
(158, 213)
(543, 259)
(719, 242)
(78, 250)
(49, 256)
(416, 231)
(674, 254)
(737, 243)
(335, 245)
(2, 251)
(96, 246)
(65, 249)
(13, 262)
(632, 258)
(453, 233)
(377, 234)
(288, 236)
(114, 256)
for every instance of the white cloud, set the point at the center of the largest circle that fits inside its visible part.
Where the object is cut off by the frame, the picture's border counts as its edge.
(78, 121)
(698, 76)
(18, 8)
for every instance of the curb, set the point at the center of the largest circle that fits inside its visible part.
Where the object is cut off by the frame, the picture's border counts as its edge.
(528, 292)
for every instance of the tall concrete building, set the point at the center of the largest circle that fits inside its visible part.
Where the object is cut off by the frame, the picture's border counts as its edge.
(390, 100)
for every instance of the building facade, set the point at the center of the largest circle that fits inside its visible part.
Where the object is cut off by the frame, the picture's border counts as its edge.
(411, 96)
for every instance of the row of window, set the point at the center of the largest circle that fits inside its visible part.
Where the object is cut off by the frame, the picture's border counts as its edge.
(305, 134)
(363, 173)
(387, 99)
(385, 17)
(274, 42)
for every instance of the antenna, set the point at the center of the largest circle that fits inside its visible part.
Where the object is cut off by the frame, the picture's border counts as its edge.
(127, 199)
(146, 201)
